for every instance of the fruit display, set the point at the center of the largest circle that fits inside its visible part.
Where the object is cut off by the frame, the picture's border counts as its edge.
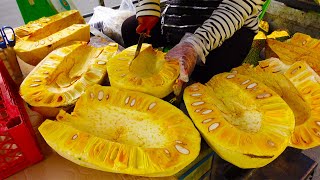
(149, 72)
(248, 116)
(243, 120)
(60, 79)
(122, 131)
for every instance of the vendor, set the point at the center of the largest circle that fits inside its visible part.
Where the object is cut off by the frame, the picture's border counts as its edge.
(208, 37)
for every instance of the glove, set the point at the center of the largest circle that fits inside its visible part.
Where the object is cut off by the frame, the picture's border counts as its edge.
(186, 52)
(146, 24)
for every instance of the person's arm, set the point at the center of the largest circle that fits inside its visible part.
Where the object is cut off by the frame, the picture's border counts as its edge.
(229, 17)
(148, 8)
(148, 13)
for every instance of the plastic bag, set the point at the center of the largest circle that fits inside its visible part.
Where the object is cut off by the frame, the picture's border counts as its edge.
(127, 5)
(109, 21)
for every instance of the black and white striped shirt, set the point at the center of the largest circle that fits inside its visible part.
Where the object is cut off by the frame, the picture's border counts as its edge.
(229, 17)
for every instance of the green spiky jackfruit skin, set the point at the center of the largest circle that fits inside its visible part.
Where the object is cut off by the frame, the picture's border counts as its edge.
(254, 55)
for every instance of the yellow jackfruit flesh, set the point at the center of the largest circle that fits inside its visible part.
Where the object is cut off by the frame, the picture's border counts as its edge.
(60, 79)
(302, 95)
(303, 104)
(264, 26)
(244, 121)
(123, 131)
(149, 72)
(299, 48)
(279, 35)
(33, 49)
(50, 25)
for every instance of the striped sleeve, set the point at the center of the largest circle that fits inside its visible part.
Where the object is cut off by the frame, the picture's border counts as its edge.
(148, 8)
(229, 17)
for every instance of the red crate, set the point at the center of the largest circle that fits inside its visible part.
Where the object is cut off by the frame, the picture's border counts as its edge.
(18, 145)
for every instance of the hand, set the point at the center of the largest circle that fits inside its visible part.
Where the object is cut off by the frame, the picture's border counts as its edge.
(186, 55)
(185, 52)
(146, 24)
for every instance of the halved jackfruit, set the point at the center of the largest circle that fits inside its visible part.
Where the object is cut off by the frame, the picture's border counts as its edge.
(303, 98)
(122, 131)
(260, 35)
(32, 49)
(60, 79)
(49, 25)
(243, 120)
(280, 35)
(304, 40)
(282, 86)
(289, 52)
(264, 26)
(149, 72)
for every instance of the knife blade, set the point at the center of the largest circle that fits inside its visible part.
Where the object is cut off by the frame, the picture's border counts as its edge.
(140, 41)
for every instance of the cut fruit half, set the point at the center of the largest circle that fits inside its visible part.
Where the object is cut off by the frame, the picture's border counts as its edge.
(33, 49)
(49, 25)
(149, 72)
(304, 40)
(279, 35)
(295, 49)
(123, 131)
(60, 79)
(302, 94)
(243, 120)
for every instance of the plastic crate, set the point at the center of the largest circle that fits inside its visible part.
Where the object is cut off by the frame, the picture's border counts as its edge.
(18, 145)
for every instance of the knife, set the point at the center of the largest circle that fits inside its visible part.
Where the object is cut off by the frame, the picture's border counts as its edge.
(140, 41)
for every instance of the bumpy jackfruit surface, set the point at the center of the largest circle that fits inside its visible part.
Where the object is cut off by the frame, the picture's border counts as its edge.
(243, 120)
(50, 25)
(60, 79)
(33, 49)
(303, 98)
(149, 72)
(123, 131)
